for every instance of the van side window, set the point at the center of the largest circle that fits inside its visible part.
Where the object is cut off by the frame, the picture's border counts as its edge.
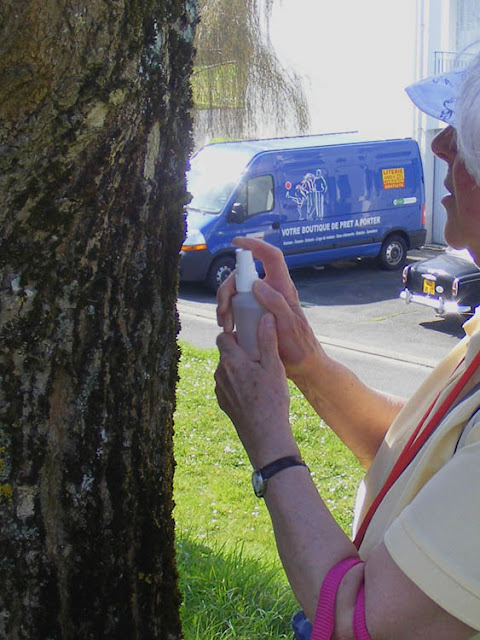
(257, 195)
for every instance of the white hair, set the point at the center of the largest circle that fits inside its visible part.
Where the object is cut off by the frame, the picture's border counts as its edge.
(468, 120)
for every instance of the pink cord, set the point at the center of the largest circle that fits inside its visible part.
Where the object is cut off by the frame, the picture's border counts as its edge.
(325, 614)
(359, 623)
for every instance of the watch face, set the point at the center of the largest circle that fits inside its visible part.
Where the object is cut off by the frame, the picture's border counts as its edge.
(258, 483)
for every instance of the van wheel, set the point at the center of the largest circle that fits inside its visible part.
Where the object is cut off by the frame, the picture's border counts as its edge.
(393, 253)
(221, 268)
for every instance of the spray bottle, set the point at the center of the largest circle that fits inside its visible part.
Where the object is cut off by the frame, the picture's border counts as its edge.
(247, 311)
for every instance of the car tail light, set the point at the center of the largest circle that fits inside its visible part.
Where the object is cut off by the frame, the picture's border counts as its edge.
(455, 287)
(405, 274)
(423, 214)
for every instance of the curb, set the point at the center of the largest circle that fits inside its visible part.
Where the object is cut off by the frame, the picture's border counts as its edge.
(210, 316)
(425, 252)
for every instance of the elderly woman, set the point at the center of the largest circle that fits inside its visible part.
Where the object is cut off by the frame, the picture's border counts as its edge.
(413, 570)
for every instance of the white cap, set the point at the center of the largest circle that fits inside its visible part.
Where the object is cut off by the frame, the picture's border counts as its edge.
(437, 95)
(246, 273)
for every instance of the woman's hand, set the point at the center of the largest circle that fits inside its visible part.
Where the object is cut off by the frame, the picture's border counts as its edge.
(277, 293)
(254, 394)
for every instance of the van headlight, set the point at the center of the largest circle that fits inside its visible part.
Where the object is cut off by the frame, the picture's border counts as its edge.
(195, 241)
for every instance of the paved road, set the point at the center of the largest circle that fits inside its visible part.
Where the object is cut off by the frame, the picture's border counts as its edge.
(355, 311)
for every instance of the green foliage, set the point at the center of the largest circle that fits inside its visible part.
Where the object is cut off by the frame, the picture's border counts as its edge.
(226, 546)
(237, 75)
(217, 87)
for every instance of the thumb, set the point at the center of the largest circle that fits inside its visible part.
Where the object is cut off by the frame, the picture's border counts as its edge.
(268, 341)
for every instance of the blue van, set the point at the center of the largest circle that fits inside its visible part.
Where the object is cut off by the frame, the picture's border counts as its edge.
(319, 198)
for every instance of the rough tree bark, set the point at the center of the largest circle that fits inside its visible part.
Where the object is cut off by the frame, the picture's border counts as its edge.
(94, 135)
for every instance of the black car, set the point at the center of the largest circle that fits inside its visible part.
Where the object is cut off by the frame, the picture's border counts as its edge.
(449, 283)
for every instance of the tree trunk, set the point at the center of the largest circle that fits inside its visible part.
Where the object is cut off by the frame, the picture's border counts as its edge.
(94, 135)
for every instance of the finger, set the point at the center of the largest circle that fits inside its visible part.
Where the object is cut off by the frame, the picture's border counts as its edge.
(261, 250)
(221, 393)
(268, 342)
(226, 342)
(274, 301)
(276, 270)
(224, 307)
(271, 257)
(219, 387)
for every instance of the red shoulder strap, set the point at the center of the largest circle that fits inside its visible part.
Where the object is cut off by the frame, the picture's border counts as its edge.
(415, 443)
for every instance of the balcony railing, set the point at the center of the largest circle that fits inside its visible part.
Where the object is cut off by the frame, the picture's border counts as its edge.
(446, 61)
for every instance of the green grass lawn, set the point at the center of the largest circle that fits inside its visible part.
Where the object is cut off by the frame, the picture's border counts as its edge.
(231, 578)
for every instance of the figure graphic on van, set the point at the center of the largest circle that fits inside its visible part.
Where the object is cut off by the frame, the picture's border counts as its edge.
(309, 196)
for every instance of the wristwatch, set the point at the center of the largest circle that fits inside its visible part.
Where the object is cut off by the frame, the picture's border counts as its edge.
(260, 477)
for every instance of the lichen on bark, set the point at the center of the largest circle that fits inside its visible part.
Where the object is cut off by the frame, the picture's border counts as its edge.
(94, 138)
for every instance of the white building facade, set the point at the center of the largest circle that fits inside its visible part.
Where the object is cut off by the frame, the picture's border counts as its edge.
(447, 31)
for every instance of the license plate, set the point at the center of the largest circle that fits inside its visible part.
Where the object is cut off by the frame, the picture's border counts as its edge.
(429, 287)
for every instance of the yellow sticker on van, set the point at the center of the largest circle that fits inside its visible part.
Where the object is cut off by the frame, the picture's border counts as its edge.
(393, 178)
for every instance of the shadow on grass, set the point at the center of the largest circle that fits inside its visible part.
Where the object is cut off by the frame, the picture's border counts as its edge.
(229, 595)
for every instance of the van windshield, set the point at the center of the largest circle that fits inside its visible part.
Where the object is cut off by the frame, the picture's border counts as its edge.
(214, 173)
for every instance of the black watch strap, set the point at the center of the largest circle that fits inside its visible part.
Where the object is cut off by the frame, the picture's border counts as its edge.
(261, 476)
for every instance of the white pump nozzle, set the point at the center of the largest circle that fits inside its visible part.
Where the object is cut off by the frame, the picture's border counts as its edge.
(246, 273)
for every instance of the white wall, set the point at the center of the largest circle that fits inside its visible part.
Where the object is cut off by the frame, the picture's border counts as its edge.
(436, 20)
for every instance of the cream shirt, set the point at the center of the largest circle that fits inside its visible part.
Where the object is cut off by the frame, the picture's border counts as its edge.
(430, 518)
